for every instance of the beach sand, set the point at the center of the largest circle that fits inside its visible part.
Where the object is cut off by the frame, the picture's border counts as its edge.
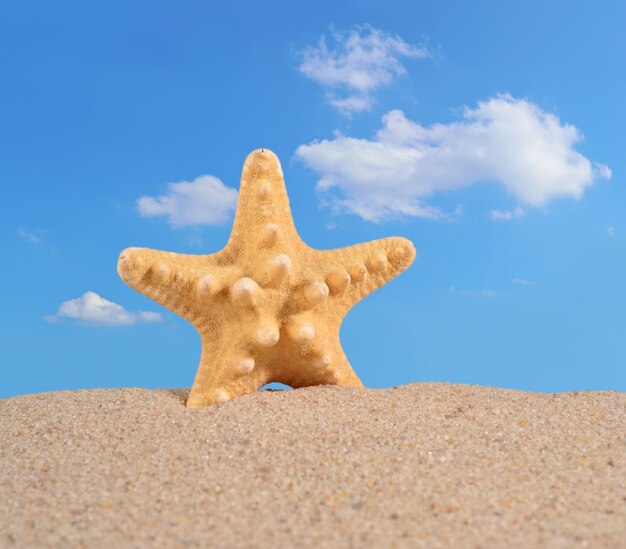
(421, 465)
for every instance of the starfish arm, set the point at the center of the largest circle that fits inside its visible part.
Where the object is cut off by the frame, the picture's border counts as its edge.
(324, 364)
(354, 272)
(179, 282)
(309, 353)
(225, 371)
(263, 214)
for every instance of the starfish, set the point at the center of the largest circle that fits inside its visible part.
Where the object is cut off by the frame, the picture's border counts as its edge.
(267, 307)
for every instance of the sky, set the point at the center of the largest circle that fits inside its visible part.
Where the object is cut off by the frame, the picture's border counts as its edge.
(489, 133)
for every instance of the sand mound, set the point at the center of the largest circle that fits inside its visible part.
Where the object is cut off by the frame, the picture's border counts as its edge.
(422, 465)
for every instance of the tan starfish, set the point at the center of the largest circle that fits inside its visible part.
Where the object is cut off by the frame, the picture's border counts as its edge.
(268, 307)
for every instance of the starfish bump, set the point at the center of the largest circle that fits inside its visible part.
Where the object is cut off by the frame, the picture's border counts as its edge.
(267, 307)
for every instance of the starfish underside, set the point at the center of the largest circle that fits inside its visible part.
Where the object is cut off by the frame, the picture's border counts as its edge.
(267, 307)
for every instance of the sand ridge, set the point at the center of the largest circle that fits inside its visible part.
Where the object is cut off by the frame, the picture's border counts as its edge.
(421, 465)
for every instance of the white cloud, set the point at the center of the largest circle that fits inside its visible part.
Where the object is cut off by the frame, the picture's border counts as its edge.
(351, 104)
(610, 231)
(358, 62)
(203, 201)
(507, 215)
(94, 309)
(504, 140)
(32, 236)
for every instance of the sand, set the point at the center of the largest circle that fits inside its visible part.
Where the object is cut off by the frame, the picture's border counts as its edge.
(422, 465)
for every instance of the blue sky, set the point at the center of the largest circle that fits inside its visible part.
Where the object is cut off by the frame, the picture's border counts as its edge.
(491, 134)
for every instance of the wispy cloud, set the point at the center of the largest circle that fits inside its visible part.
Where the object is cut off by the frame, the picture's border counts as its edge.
(507, 215)
(203, 201)
(523, 282)
(610, 231)
(504, 140)
(94, 309)
(355, 64)
(32, 236)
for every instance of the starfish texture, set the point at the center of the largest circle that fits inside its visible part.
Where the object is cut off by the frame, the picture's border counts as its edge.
(267, 307)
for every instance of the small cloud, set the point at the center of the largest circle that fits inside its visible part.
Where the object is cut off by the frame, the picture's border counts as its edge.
(94, 309)
(203, 201)
(507, 141)
(473, 293)
(487, 293)
(523, 282)
(351, 104)
(507, 215)
(32, 236)
(602, 171)
(149, 316)
(610, 231)
(357, 63)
